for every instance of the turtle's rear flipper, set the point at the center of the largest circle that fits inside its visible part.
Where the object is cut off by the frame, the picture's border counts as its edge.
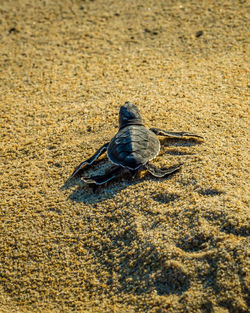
(162, 132)
(102, 179)
(90, 160)
(157, 172)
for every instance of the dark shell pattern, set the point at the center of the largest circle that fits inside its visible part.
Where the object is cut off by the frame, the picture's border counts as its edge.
(133, 146)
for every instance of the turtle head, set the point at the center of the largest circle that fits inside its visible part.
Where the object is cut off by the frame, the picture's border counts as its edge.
(129, 115)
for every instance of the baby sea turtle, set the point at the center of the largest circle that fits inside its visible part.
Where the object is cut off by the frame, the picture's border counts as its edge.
(131, 148)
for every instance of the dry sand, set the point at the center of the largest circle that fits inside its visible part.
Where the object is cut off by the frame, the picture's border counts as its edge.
(146, 245)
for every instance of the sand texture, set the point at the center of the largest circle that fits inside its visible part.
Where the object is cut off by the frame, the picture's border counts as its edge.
(178, 244)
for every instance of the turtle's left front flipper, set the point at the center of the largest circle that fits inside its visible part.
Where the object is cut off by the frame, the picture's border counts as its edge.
(91, 160)
(162, 132)
(102, 179)
(157, 172)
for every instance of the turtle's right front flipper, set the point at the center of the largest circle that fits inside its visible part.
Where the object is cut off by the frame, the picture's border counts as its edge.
(91, 160)
(162, 132)
(102, 179)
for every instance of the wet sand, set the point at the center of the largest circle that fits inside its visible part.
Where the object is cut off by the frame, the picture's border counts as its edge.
(178, 244)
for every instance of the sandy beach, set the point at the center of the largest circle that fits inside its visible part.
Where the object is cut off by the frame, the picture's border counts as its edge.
(175, 244)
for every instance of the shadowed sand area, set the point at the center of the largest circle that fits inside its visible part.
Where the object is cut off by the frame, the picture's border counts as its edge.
(144, 245)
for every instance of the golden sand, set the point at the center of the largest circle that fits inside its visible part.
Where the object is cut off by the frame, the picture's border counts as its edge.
(145, 245)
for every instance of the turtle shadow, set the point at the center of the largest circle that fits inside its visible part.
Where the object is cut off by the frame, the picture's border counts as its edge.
(171, 144)
(176, 152)
(92, 193)
(167, 142)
